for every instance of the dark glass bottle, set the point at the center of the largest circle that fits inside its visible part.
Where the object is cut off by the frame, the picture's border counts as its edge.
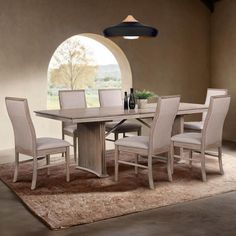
(126, 107)
(131, 99)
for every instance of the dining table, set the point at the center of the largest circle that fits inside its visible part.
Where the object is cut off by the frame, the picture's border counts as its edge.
(91, 128)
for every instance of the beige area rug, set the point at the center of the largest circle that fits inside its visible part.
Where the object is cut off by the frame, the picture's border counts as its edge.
(87, 198)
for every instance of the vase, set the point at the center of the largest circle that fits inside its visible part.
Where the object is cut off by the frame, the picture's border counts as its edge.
(142, 103)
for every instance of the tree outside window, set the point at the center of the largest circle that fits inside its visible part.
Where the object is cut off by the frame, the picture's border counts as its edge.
(82, 63)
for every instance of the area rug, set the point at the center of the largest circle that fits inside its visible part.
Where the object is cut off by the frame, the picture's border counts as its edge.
(87, 198)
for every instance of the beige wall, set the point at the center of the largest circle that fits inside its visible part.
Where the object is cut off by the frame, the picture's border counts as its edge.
(223, 57)
(176, 62)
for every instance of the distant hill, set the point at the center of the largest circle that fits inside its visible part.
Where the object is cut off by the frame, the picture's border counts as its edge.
(111, 70)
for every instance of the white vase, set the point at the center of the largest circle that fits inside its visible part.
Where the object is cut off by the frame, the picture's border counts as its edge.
(142, 103)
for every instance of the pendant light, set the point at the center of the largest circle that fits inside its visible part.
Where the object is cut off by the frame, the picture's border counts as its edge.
(130, 28)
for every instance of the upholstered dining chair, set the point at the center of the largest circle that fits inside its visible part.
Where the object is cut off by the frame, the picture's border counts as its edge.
(27, 143)
(210, 137)
(70, 99)
(113, 98)
(158, 141)
(198, 125)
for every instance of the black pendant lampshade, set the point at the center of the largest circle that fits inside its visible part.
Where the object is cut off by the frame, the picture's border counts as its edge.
(130, 28)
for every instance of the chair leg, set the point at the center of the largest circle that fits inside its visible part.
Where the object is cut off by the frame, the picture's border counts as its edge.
(139, 132)
(75, 147)
(123, 135)
(116, 163)
(48, 163)
(63, 137)
(220, 160)
(35, 169)
(68, 164)
(150, 176)
(190, 158)
(169, 169)
(172, 157)
(116, 136)
(77, 161)
(181, 153)
(136, 162)
(203, 166)
(16, 166)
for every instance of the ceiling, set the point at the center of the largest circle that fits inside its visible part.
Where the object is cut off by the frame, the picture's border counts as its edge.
(210, 4)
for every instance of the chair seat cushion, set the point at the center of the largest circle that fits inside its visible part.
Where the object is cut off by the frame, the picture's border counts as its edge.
(50, 143)
(195, 125)
(70, 128)
(191, 138)
(124, 127)
(134, 141)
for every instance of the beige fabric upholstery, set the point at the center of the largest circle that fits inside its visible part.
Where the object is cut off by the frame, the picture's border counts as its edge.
(113, 98)
(210, 93)
(191, 138)
(134, 142)
(70, 99)
(110, 97)
(26, 141)
(198, 125)
(162, 124)
(157, 142)
(25, 137)
(211, 135)
(123, 128)
(213, 127)
(50, 143)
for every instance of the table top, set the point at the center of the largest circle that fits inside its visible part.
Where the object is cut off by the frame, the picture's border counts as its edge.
(84, 115)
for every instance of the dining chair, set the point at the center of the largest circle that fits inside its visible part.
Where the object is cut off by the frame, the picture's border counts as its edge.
(210, 137)
(158, 141)
(198, 125)
(27, 143)
(113, 98)
(71, 99)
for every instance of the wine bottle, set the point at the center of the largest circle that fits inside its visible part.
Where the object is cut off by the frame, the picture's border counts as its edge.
(126, 101)
(131, 99)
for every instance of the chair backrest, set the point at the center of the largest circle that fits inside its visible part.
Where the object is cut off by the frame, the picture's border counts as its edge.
(70, 99)
(110, 97)
(213, 126)
(160, 135)
(212, 92)
(25, 137)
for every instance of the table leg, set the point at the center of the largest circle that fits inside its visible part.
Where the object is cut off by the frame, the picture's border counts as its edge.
(91, 137)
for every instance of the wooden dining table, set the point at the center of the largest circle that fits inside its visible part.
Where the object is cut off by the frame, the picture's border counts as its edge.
(91, 125)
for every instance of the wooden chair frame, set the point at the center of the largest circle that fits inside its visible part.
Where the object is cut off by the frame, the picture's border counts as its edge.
(36, 154)
(74, 135)
(146, 152)
(202, 147)
(224, 92)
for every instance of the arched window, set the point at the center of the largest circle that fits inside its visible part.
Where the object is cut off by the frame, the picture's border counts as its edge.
(89, 62)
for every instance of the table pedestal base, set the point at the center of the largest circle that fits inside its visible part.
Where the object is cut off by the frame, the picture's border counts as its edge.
(91, 138)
